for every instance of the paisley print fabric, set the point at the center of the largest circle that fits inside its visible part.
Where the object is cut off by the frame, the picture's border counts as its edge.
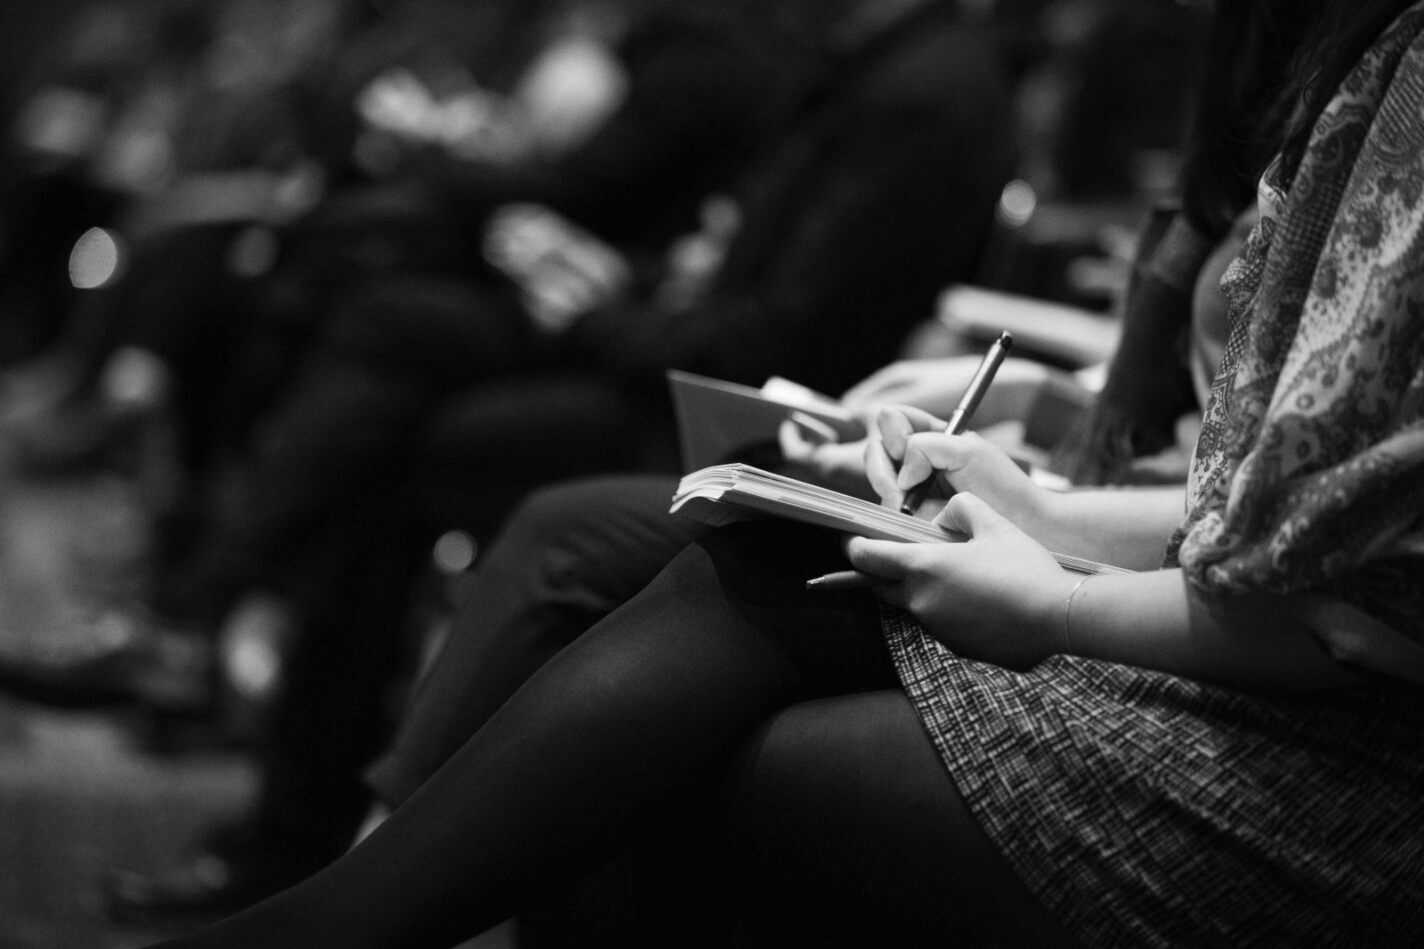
(1309, 474)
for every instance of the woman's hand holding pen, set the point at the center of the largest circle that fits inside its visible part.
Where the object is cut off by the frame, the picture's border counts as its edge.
(997, 597)
(968, 595)
(909, 446)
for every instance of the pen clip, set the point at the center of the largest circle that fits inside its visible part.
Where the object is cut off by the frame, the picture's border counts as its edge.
(968, 402)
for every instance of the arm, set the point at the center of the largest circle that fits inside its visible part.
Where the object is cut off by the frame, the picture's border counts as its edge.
(1128, 527)
(1158, 621)
(1001, 597)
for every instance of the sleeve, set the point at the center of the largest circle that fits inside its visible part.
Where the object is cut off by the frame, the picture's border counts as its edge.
(1310, 473)
(843, 269)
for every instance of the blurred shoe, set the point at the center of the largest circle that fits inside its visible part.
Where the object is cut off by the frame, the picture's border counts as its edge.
(120, 660)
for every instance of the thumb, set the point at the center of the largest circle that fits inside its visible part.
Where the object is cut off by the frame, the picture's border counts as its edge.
(969, 514)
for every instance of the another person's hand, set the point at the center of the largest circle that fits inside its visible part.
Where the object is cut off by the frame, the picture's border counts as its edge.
(813, 455)
(694, 260)
(932, 384)
(909, 446)
(470, 124)
(996, 597)
(562, 271)
(398, 103)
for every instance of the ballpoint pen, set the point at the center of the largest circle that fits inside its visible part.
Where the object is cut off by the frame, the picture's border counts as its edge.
(840, 580)
(959, 421)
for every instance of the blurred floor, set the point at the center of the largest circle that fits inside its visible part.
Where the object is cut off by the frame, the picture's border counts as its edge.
(77, 793)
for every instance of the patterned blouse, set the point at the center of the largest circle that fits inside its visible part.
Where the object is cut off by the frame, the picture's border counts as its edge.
(1309, 474)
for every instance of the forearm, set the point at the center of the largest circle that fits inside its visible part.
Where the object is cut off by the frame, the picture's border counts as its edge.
(1128, 527)
(1158, 621)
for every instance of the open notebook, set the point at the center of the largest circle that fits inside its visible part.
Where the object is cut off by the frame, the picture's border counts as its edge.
(718, 421)
(723, 494)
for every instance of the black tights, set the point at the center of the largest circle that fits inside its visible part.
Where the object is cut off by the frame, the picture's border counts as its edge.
(567, 557)
(724, 662)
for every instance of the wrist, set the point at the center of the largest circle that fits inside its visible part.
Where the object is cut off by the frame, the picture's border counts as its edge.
(1068, 646)
(1049, 616)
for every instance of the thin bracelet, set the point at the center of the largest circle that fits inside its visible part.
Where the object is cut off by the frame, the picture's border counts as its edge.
(1068, 615)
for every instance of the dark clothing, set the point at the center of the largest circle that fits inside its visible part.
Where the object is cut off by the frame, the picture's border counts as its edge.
(874, 197)
(869, 203)
(381, 307)
(353, 592)
(42, 215)
(182, 300)
(725, 665)
(701, 98)
(570, 555)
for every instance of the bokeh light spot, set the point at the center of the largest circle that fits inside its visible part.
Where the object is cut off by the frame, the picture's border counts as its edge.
(1017, 203)
(454, 552)
(95, 259)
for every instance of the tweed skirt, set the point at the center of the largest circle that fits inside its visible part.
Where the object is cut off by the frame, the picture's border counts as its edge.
(1147, 810)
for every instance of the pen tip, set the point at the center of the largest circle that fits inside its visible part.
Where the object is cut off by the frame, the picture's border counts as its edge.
(1006, 339)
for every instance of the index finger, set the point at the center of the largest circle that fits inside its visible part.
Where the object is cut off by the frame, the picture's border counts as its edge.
(883, 559)
(898, 422)
(880, 471)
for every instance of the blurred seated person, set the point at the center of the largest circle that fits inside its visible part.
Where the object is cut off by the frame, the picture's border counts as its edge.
(400, 347)
(228, 146)
(229, 277)
(840, 247)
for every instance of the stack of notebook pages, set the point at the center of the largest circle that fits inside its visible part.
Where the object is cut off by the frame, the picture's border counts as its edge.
(724, 494)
